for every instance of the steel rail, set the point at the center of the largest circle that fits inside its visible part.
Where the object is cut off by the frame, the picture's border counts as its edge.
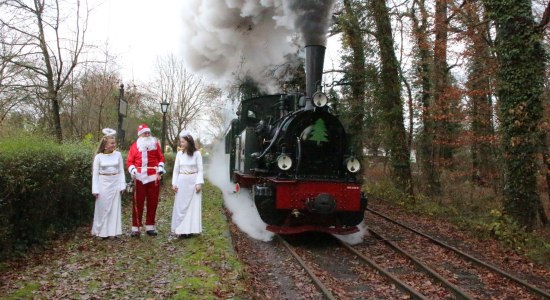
(509, 276)
(458, 292)
(318, 283)
(402, 285)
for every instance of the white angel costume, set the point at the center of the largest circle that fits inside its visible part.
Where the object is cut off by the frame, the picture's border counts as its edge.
(108, 180)
(188, 172)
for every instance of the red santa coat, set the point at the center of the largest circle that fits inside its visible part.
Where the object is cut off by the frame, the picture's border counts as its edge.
(145, 161)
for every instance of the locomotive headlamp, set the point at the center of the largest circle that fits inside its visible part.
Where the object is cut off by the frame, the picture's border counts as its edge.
(352, 165)
(319, 99)
(284, 162)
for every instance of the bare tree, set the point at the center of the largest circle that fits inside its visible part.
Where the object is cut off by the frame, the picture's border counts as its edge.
(191, 98)
(9, 74)
(54, 34)
(95, 104)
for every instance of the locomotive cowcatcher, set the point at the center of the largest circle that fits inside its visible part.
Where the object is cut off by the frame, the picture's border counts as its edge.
(294, 156)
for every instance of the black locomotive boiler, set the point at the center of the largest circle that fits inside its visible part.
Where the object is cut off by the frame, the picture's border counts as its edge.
(294, 156)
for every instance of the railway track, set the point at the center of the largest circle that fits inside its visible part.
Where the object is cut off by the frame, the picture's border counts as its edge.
(364, 278)
(404, 263)
(480, 271)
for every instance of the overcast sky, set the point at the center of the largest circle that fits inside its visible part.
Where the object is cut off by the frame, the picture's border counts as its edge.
(137, 32)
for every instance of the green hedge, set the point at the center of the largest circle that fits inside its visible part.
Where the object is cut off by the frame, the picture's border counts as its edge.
(45, 190)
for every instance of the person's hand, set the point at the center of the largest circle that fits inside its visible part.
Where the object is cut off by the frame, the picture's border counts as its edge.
(175, 188)
(133, 173)
(96, 195)
(161, 170)
(197, 188)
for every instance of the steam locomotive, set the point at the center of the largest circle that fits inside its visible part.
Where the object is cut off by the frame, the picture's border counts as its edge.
(294, 156)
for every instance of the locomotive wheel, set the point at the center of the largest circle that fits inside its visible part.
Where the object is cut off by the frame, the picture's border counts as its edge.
(268, 213)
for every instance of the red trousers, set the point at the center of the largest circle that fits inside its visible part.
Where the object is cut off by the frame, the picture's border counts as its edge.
(151, 192)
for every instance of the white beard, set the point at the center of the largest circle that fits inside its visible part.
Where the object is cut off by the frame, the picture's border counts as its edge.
(146, 143)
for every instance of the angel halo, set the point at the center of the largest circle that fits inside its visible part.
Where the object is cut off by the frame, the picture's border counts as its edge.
(184, 133)
(108, 132)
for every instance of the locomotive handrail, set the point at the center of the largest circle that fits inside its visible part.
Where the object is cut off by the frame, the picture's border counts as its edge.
(274, 137)
(298, 154)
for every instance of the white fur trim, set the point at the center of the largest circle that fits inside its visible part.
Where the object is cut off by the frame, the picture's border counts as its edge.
(144, 130)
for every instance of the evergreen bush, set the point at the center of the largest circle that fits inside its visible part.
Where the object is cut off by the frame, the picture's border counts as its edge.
(46, 190)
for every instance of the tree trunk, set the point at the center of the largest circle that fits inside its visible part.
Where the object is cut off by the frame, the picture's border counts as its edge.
(354, 38)
(49, 72)
(441, 110)
(520, 86)
(425, 149)
(392, 106)
(57, 120)
(479, 89)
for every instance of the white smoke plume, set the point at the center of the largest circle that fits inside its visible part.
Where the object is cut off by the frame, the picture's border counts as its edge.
(241, 205)
(222, 37)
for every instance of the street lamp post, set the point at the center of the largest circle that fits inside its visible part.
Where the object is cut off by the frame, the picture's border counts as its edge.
(164, 108)
(122, 110)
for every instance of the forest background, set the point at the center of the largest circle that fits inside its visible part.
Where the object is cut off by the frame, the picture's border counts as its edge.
(447, 101)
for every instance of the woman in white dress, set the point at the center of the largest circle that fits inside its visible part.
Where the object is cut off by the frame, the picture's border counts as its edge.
(187, 181)
(108, 182)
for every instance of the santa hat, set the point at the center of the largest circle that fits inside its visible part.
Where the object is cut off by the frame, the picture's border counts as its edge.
(143, 128)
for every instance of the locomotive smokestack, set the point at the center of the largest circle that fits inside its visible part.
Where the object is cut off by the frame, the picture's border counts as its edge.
(315, 57)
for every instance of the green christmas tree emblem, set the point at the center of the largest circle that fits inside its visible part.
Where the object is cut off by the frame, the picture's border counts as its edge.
(319, 132)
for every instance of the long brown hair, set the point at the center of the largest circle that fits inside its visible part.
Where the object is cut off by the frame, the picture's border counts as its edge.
(103, 142)
(191, 148)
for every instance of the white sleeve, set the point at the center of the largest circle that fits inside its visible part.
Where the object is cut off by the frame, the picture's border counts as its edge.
(121, 175)
(176, 170)
(95, 175)
(200, 176)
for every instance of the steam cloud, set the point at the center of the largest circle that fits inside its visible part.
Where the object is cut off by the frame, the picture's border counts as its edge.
(312, 18)
(243, 210)
(221, 37)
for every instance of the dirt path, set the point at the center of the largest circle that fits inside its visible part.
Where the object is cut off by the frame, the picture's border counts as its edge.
(83, 267)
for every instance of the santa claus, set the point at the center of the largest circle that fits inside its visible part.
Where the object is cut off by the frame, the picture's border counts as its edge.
(145, 164)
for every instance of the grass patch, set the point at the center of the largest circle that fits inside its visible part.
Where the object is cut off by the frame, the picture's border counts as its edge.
(26, 292)
(212, 268)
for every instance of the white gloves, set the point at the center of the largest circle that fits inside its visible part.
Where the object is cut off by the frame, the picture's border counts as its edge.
(133, 173)
(161, 170)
